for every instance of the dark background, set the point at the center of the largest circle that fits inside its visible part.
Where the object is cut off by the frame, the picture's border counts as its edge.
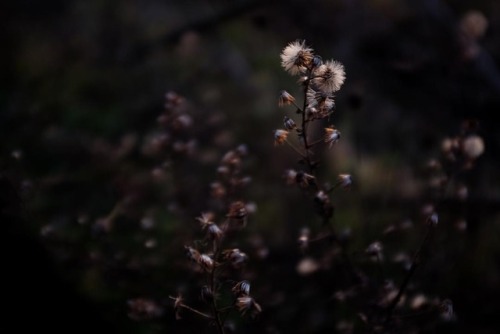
(84, 81)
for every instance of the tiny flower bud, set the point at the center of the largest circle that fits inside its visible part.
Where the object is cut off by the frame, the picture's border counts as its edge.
(280, 137)
(345, 180)
(236, 257)
(331, 136)
(214, 232)
(289, 123)
(247, 304)
(206, 262)
(285, 98)
(241, 288)
(473, 147)
(374, 249)
(433, 219)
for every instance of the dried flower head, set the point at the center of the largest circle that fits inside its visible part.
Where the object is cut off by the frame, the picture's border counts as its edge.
(241, 288)
(319, 104)
(345, 180)
(205, 219)
(433, 219)
(289, 123)
(236, 257)
(473, 146)
(304, 238)
(192, 253)
(329, 77)
(206, 262)
(374, 249)
(332, 136)
(446, 310)
(214, 232)
(296, 57)
(285, 98)
(280, 137)
(247, 304)
(238, 212)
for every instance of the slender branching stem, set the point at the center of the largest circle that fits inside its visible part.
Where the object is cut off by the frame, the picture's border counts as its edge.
(204, 315)
(414, 264)
(296, 149)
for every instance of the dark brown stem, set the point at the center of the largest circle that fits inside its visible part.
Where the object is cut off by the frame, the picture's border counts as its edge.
(414, 264)
(215, 310)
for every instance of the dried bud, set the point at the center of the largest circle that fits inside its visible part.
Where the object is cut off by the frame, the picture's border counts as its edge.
(280, 137)
(238, 212)
(206, 262)
(231, 158)
(247, 304)
(433, 219)
(205, 219)
(304, 238)
(214, 232)
(323, 205)
(332, 135)
(446, 310)
(473, 147)
(345, 180)
(285, 98)
(236, 257)
(192, 253)
(289, 123)
(374, 249)
(241, 288)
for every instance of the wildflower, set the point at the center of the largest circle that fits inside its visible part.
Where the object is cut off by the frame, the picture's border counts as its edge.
(247, 304)
(332, 136)
(241, 288)
(345, 180)
(329, 77)
(236, 257)
(238, 211)
(205, 219)
(304, 238)
(433, 219)
(323, 205)
(280, 136)
(319, 104)
(206, 262)
(215, 232)
(192, 253)
(285, 99)
(374, 249)
(289, 123)
(446, 310)
(473, 146)
(296, 57)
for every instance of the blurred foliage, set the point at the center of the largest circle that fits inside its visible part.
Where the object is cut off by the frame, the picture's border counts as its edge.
(83, 83)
